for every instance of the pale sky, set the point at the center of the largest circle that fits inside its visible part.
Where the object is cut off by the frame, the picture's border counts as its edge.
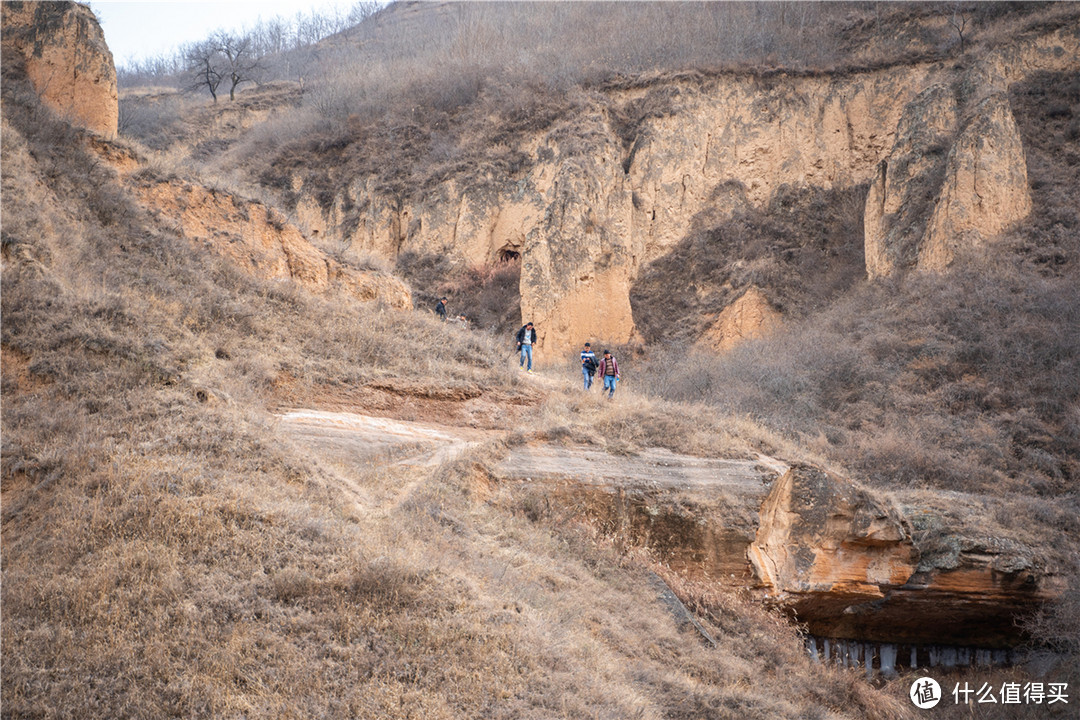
(137, 30)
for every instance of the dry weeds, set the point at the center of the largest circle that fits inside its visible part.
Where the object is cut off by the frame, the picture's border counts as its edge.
(167, 553)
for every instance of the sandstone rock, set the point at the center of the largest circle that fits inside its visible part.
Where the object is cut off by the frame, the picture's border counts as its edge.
(577, 264)
(849, 566)
(750, 316)
(260, 241)
(986, 187)
(924, 204)
(67, 61)
(821, 534)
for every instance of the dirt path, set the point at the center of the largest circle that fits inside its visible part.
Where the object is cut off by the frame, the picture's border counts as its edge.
(356, 439)
(366, 439)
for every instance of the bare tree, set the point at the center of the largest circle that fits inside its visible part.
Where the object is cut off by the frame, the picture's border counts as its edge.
(240, 64)
(203, 61)
(362, 10)
(959, 22)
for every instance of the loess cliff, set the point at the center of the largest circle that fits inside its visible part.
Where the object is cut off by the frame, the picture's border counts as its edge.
(597, 198)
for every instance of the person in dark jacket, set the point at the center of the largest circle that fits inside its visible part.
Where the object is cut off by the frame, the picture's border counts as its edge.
(440, 309)
(526, 338)
(588, 365)
(609, 370)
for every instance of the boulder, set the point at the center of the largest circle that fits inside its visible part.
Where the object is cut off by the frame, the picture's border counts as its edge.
(820, 534)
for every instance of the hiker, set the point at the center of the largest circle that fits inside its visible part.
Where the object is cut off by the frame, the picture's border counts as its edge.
(609, 370)
(526, 336)
(588, 365)
(440, 309)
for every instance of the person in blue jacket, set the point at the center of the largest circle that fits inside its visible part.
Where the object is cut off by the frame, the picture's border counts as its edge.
(526, 338)
(588, 365)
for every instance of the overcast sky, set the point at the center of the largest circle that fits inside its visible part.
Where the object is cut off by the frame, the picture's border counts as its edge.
(137, 30)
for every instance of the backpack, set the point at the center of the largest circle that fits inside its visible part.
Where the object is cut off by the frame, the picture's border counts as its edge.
(590, 365)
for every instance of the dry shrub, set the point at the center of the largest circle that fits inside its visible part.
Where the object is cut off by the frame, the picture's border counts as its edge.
(766, 638)
(803, 251)
(487, 295)
(951, 381)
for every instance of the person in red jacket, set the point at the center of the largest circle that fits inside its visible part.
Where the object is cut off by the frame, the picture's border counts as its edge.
(609, 370)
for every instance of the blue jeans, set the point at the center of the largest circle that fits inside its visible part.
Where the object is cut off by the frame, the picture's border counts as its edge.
(526, 352)
(588, 378)
(609, 384)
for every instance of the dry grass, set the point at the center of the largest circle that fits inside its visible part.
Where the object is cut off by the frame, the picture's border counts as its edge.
(965, 382)
(168, 553)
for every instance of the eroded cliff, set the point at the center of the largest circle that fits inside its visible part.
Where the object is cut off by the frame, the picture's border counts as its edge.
(599, 199)
(64, 54)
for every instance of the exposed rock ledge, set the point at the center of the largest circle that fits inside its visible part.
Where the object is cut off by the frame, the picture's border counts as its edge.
(843, 561)
(847, 564)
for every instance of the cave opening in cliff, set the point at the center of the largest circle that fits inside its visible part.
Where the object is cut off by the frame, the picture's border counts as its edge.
(509, 255)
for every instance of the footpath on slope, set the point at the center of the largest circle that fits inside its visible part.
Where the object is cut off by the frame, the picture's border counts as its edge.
(597, 484)
(856, 572)
(375, 440)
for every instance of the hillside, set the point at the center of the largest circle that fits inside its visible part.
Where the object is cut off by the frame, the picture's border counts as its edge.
(245, 473)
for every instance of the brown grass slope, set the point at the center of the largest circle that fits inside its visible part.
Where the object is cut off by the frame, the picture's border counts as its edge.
(167, 554)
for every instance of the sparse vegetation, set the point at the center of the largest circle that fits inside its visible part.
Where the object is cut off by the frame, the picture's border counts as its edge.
(169, 551)
(803, 251)
(487, 296)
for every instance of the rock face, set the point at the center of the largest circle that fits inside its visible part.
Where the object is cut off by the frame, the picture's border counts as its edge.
(822, 542)
(986, 185)
(597, 200)
(900, 198)
(979, 188)
(260, 241)
(749, 317)
(848, 565)
(66, 60)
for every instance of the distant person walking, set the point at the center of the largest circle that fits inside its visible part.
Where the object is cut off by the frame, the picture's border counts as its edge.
(526, 337)
(440, 309)
(588, 365)
(609, 370)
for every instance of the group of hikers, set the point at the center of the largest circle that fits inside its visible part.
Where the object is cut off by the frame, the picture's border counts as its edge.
(606, 367)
